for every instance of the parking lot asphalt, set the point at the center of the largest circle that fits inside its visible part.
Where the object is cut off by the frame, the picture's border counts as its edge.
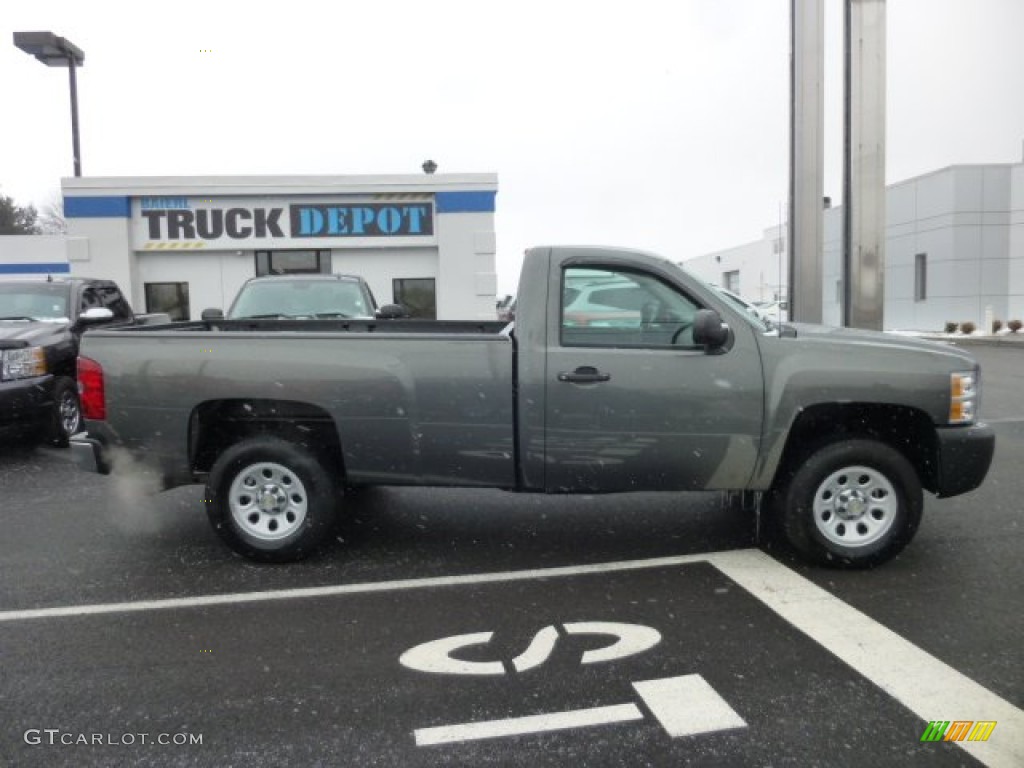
(301, 664)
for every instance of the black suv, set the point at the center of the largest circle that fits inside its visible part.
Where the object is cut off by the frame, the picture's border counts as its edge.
(41, 322)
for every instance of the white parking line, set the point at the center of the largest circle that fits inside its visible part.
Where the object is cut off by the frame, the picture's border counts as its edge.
(518, 726)
(926, 686)
(929, 688)
(684, 706)
(202, 601)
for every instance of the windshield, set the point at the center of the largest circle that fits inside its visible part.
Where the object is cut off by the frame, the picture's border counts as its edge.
(742, 308)
(33, 301)
(298, 298)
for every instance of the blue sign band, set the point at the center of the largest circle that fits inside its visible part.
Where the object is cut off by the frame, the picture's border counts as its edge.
(97, 207)
(35, 269)
(465, 202)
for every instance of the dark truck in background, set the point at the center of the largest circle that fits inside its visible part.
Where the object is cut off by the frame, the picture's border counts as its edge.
(305, 296)
(41, 323)
(622, 372)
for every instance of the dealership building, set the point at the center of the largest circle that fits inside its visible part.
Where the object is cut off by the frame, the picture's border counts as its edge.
(954, 252)
(183, 244)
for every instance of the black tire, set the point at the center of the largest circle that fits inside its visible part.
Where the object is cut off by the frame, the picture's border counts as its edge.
(271, 500)
(854, 503)
(66, 418)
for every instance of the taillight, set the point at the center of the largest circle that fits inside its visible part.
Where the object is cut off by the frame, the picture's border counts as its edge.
(90, 389)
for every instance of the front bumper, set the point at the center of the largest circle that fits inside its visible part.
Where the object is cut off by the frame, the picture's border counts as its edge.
(964, 455)
(26, 406)
(89, 454)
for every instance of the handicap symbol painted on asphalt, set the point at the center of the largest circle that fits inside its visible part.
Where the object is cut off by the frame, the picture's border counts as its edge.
(684, 705)
(436, 656)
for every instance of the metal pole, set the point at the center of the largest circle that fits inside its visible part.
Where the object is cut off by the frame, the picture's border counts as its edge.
(848, 202)
(74, 116)
(864, 165)
(806, 164)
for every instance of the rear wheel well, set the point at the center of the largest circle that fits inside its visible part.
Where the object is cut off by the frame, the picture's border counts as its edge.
(216, 425)
(908, 430)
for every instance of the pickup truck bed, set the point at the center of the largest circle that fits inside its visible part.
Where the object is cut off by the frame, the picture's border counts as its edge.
(346, 375)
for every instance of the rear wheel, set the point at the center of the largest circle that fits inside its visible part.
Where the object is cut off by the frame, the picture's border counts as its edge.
(851, 504)
(271, 500)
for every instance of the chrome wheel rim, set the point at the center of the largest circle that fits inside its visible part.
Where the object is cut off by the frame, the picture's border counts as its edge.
(268, 501)
(855, 507)
(70, 413)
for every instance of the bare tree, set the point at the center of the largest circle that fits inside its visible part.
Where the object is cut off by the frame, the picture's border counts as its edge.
(51, 216)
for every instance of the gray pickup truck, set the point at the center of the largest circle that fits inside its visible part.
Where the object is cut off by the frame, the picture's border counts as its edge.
(622, 372)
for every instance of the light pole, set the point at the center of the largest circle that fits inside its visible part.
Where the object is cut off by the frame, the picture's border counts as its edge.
(56, 51)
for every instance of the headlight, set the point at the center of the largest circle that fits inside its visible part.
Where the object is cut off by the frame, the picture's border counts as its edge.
(963, 397)
(23, 363)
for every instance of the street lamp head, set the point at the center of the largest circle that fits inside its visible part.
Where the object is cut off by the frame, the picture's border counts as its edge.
(50, 49)
(56, 51)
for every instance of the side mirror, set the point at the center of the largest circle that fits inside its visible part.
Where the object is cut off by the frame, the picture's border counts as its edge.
(708, 329)
(95, 316)
(212, 314)
(392, 312)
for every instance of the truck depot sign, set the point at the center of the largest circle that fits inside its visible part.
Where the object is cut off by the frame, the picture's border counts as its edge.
(183, 222)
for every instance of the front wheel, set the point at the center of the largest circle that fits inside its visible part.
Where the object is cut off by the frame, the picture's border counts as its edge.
(851, 504)
(66, 418)
(271, 500)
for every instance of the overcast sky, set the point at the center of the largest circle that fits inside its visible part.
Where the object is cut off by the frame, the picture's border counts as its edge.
(660, 124)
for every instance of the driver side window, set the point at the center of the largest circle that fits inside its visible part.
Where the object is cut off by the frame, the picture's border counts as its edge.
(611, 307)
(90, 300)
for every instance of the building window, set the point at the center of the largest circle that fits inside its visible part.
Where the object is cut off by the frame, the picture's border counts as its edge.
(731, 281)
(839, 292)
(171, 298)
(292, 262)
(920, 277)
(416, 294)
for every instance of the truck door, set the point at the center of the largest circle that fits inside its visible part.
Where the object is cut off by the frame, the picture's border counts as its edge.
(631, 403)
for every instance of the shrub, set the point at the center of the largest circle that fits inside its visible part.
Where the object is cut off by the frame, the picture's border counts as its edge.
(951, 327)
(997, 326)
(1015, 325)
(968, 328)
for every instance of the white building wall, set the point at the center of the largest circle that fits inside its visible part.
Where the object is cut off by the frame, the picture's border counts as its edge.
(213, 277)
(467, 281)
(967, 220)
(109, 242)
(1015, 246)
(380, 266)
(762, 265)
(33, 254)
(957, 218)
